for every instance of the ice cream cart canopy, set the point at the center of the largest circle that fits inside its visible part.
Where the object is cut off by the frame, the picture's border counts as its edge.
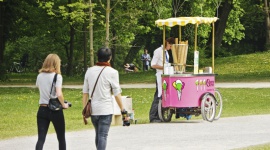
(182, 21)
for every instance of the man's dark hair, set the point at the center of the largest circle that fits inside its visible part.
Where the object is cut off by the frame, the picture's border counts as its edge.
(170, 40)
(104, 54)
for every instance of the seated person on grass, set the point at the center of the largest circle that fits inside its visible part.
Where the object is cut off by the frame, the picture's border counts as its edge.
(130, 68)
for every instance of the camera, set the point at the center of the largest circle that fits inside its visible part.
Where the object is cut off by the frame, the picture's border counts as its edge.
(69, 104)
(124, 116)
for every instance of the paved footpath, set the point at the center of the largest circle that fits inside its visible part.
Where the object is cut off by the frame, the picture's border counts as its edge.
(223, 134)
(151, 85)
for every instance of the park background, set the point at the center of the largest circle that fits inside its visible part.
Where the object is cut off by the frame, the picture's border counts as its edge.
(75, 29)
(37, 28)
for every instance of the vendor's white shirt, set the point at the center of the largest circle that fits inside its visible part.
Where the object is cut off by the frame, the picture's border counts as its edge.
(158, 60)
(102, 101)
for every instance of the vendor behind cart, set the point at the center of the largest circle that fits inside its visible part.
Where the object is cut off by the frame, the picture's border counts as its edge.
(157, 63)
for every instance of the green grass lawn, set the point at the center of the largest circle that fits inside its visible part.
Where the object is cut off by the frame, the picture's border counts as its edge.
(242, 68)
(256, 147)
(19, 107)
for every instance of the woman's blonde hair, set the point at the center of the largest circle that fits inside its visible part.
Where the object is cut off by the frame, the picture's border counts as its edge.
(52, 63)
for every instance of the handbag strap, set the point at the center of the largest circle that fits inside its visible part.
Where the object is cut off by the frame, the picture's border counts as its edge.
(96, 82)
(54, 81)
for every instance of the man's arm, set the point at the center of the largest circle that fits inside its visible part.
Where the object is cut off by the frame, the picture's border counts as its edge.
(61, 97)
(155, 59)
(157, 67)
(85, 99)
(118, 99)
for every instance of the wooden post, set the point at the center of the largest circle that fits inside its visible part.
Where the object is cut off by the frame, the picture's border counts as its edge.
(164, 29)
(195, 43)
(180, 33)
(213, 47)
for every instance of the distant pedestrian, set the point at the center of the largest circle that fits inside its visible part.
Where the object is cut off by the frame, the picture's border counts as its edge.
(146, 60)
(50, 67)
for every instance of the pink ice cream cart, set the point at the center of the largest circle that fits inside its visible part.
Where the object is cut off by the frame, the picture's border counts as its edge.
(188, 93)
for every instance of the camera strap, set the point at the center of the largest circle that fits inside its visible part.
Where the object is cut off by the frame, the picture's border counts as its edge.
(53, 83)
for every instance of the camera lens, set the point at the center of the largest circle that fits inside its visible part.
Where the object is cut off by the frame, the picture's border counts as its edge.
(126, 123)
(69, 104)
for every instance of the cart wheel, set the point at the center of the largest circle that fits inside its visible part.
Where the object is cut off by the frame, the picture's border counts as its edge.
(208, 107)
(164, 114)
(219, 104)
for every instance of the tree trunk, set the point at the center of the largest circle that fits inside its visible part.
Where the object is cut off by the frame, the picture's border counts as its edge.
(108, 9)
(113, 48)
(84, 48)
(91, 35)
(71, 48)
(220, 25)
(267, 21)
(2, 34)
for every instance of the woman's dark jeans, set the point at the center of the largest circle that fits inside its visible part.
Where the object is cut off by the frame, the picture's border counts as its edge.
(102, 125)
(44, 117)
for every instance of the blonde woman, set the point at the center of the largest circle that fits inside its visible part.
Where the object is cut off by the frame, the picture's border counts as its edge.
(50, 67)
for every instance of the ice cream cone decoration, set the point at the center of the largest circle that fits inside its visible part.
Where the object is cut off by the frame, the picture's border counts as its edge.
(178, 85)
(204, 84)
(201, 83)
(164, 86)
(197, 84)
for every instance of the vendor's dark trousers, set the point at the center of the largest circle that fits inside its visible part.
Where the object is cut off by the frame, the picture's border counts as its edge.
(44, 117)
(153, 114)
(102, 125)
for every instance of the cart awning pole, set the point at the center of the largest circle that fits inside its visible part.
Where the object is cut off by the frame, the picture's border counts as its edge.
(164, 28)
(180, 33)
(195, 43)
(213, 47)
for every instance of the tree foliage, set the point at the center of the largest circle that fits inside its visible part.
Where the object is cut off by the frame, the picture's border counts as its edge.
(58, 26)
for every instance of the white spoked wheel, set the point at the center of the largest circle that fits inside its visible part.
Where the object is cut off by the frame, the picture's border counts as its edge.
(208, 107)
(164, 114)
(219, 104)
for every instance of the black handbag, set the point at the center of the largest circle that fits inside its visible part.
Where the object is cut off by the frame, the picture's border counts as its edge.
(54, 103)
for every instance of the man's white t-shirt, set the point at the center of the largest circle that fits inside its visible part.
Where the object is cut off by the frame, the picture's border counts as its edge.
(107, 84)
